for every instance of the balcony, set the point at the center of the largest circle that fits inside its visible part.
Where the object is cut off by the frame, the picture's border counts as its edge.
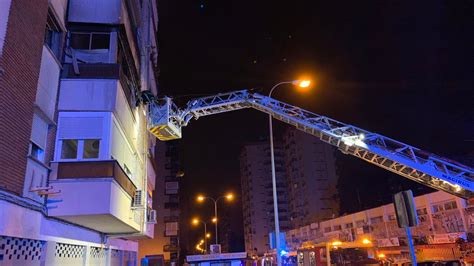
(95, 194)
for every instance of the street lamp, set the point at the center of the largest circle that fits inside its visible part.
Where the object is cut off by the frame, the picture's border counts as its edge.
(301, 84)
(228, 196)
(196, 221)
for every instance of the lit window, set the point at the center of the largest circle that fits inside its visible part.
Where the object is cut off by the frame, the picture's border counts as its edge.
(69, 149)
(91, 149)
(36, 152)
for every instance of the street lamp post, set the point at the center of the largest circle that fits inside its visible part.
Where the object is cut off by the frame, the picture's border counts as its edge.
(229, 196)
(303, 84)
(196, 221)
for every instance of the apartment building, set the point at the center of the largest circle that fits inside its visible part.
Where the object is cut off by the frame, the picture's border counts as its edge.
(77, 177)
(443, 218)
(165, 245)
(311, 178)
(257, 197)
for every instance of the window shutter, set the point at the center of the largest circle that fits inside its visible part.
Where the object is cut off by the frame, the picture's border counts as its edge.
(39, 131)
(81, 128)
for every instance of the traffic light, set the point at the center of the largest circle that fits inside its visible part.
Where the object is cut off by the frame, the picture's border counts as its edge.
(405, 209)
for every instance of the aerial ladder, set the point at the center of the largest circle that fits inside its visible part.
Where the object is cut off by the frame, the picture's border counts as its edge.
(165, 121)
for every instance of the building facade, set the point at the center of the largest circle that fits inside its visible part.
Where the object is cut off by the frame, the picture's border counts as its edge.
(311, 178)
(165, 243)
(257, 197)
(442, 217)
(77, 158)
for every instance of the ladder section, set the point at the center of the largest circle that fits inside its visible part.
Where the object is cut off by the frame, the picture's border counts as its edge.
(400, 158)
(166, 121)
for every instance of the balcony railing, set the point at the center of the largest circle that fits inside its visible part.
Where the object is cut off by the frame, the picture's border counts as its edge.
(96, 169)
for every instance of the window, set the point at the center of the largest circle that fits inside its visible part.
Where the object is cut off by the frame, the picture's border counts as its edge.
(376, 220)
(53, 35)
(89, 40)
(360, 223)
(327, 229)
(391, 217)
(421, 211)
(80, 149)
(451, 205)
(36, 152)
(69, 149)
(91, 149)
(348, 225)
(337, 227)
(437, 208)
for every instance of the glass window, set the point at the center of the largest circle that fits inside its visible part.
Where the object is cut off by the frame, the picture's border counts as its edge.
(337, 227)
(100, 41)
(91, 149)
(80, 41)
(450, 205)
(53, 35)
(421, 211)
(327, 229)
(69, 149)
(437, 208)
(376, 220)
(89, 41)
(36, 152)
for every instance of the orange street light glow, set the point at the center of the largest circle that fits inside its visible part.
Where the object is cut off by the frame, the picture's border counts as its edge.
(208, 235)
(381, 255)
(214, 220)
(195, 221)
(229, 196)
(200, 198)
(336, 243)
(365, 241)
(304, 83)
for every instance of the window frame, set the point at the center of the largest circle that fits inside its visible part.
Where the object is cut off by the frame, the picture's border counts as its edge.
(56, 35)
(30, 149)
(90, 35)
(80, 150)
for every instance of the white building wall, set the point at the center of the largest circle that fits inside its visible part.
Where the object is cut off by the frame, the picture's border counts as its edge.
(92, 11)
(47, 91)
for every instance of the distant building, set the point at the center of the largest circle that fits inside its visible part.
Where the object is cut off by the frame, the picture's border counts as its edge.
(257, 197)
(165, 198)
(77, 169)
(443, 218)
(311, 178)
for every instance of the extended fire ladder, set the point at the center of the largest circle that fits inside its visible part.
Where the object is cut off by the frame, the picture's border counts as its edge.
(165, 121)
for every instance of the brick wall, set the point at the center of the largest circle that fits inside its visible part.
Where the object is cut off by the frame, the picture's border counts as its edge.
(19, 65)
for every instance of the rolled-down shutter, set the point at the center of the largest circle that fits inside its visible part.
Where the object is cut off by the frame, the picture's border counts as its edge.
(39, 131)
(81, 128)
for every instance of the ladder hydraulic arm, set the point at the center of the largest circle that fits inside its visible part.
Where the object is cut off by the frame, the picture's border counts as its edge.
(166, 121)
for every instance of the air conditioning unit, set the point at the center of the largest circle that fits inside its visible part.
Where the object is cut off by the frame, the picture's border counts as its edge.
(151, 217)
(215, 249)
(137, 201)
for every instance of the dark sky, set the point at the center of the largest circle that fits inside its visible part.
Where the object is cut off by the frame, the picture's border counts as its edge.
(399, 68)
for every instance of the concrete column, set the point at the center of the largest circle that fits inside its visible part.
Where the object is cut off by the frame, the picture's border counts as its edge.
(47, 256)
(87, 258)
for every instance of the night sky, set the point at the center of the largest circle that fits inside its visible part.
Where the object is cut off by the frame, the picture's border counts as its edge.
(398, 68)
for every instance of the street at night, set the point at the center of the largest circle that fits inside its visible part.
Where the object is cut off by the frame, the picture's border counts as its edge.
(256, 133)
